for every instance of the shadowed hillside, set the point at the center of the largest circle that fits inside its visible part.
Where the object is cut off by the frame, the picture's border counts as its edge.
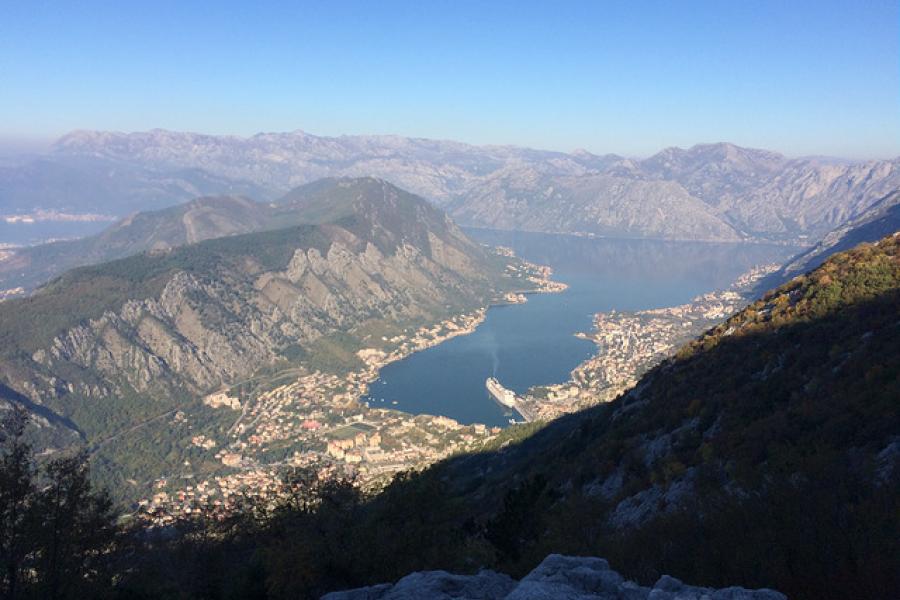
(764, 454)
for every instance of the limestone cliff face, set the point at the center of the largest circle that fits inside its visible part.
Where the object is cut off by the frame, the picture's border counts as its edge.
(203, 332)
(537, 200)
(882, 219)
(219, 311)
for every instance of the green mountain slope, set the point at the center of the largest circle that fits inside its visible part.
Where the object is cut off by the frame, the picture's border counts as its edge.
(200, 219)
(882, 219)
(323, 201)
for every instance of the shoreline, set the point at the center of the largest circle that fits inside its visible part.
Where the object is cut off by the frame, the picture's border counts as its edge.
(598, 236)
(629, 343)
(379, 359)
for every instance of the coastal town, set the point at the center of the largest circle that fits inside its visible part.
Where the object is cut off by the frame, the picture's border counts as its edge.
(631, 343)
(317, 421)
(314, 422)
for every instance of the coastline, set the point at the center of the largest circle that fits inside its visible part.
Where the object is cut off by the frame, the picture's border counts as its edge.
(629, 343)
(797, 243)
(319, 421)
(376, 359)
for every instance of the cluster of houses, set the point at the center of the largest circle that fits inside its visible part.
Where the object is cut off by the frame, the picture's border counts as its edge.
(629, 343)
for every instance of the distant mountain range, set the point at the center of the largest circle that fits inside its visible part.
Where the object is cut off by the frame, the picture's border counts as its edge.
(96, 185)
(709, 192)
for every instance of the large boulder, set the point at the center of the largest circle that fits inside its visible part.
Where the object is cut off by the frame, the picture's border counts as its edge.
(570, 577)
(556, 578)
(434, 585)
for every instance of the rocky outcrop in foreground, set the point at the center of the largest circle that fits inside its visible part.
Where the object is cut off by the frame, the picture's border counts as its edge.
(557, 577)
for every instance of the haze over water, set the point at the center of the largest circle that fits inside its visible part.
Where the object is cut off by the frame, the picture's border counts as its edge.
(533, 343)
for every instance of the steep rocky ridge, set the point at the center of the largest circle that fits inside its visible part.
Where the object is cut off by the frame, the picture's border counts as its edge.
(882, 219)
(711, 172)
(810, 198)
(106, 346)
(710, 191)
(537, 200)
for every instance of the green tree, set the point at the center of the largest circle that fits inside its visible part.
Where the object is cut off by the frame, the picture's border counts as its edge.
(56, 531)
(17, 493)
(77, 528)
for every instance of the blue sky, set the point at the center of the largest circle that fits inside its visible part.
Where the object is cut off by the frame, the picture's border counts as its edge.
(628, 77)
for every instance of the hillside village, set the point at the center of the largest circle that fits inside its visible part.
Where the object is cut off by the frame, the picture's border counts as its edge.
(315, 422)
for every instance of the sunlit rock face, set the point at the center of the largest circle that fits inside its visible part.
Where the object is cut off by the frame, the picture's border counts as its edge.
(557, 577)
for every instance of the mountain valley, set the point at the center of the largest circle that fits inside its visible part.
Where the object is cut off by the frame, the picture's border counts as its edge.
(778, 422)
(450, 301)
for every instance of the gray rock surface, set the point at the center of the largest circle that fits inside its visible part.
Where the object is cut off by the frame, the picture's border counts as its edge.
(557, 577)
(436, 585)
(882, 219)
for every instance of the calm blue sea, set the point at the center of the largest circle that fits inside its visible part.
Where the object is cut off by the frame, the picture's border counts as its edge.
(28, 234)
(533, 343)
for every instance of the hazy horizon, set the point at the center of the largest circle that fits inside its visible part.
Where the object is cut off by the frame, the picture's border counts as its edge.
(11, 146)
